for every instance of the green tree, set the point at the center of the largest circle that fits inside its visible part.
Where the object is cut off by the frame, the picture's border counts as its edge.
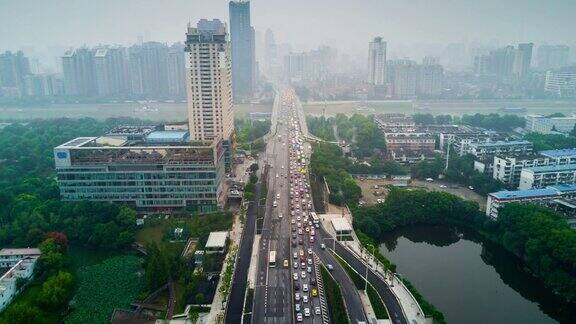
(22, 313)
(51, 259)
(199, 298)
(56, 290)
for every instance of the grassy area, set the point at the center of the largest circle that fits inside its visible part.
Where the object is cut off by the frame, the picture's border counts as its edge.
(379, 308)
(334, 298)
(197, 226)
(103, 287)
(359, 281)
(249, 300)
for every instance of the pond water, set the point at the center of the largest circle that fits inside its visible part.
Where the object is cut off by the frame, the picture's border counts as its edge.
(471, 280)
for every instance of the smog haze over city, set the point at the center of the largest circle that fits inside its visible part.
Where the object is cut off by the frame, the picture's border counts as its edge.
(268, 161)
(415, 27)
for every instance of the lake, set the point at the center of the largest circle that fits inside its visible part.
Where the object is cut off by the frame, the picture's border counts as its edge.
(471, 280)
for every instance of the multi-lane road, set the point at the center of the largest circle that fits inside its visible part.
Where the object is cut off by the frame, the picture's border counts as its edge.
(286, 290)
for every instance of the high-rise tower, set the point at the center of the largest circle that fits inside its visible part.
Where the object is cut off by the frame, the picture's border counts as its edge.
(377, 62)
(209, 83)
(243, 50)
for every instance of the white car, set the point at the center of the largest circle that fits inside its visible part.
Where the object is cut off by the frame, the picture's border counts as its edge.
(303, 274)
(295, 255)
(307, 312)
(317, 310)
(304, 287)
(295, 276)
(297, 307)
(297, 296)
(305, 298)
(309, 269)
(280, 215)
(275, 203)
(309, 250)
(299, 317)
(277, 196)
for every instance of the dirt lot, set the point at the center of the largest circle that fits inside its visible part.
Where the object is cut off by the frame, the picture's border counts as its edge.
(368, 190)
(452, 107)
(460, 191)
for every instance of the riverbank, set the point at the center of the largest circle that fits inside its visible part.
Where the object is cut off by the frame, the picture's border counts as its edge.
(530, 233)
(471, 279)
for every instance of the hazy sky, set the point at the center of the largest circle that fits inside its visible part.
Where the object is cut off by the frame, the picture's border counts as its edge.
(346, 24)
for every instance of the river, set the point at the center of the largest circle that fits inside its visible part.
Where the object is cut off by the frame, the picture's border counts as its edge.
(158, 111)
(471, 280)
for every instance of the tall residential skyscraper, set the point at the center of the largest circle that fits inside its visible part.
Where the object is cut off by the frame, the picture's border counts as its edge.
(176, 71)
(79, 74)
(403, 78)
(377, 62)
(552, 57)
(209, 81)
(110, 71)
(523, 59)
(148, 69)
(243, 50)
(14, 67)
(270, 52)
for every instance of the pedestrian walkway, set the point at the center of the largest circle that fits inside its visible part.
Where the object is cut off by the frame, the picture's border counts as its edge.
(254, 262)
(409, 305)
(217, 309)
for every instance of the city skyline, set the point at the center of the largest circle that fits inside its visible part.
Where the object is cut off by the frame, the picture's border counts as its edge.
(418, 24)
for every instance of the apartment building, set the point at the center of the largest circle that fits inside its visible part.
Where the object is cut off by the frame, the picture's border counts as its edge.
(543, 176)
(545, 196)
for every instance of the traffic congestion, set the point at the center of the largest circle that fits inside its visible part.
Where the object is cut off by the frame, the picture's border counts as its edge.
(303, 221)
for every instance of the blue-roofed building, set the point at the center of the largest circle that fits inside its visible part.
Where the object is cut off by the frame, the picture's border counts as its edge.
(546, 195)
(564, 156)
(549, 175)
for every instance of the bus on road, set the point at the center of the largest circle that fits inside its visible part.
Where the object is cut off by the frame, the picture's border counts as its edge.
(272, 259)
(315, 218)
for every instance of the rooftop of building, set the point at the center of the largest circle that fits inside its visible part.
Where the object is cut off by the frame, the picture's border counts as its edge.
(341, 224)
(217, 239)
(503, 143)
(130, 130)
(168, 136)
(551, 168)
(528, 193)
(519, 156)
(20, 251)
(564, 188)
(559, 153)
